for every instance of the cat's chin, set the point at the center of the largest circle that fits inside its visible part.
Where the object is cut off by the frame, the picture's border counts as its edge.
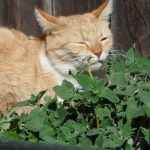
(96, 66)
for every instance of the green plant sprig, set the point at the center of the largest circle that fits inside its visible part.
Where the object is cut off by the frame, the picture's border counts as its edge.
(108, 112)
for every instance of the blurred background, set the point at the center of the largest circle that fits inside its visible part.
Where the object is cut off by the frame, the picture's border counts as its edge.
(130, 18)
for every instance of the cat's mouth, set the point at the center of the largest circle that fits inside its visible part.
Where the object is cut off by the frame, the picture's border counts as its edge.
(97, 62)
(96, 65)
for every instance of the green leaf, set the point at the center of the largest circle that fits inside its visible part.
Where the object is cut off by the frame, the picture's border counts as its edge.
(22, 103)
(37, 97)
(10, 135)
(76, 127)
(129, 147)
(65, 91)
(129, 91)
(5, 121)
(85, 81)
(58, 117)
(107, 143)
(98, 85)
(145, 97)
(47, 132)
(32, 138)
(146, 134)
(72, 141)
(133, 111)
(110, 96)
(132, 55)
(117, 78)
(102, 112)
(32, 101)
(85, 142)
(118, 66)
(127, 130)
(69, 136)
(106, 122)
(94, 132)
(36, 120)
(5, 125)
(99, 141)
(62, 113)
(61, 138)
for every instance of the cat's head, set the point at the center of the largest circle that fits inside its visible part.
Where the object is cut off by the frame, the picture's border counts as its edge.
(72, 38)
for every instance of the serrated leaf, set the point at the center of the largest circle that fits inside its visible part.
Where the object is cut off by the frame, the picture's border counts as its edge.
(22, 103)
(85, 81)
(102, 112)
(75, 126)
(98, 85)
(32, 101)
(145, 97)
(117, 78)
(4, 126)
(32, 138)
(133, 111)
(146, 135)
(65, 91)
(68, 135)
(85, 142)
(106, 122)
(132, 55)
(36, 120)
(107, 143)
(110, 96)
(99, 141)
(127, 130)
(37, 97)
(10, 135)
(93, 132)
(61, 138)
(62, 113)
(129, 147)
(47, 132)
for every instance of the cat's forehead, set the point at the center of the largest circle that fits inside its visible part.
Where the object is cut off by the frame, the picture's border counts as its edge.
(86, 18)
(87, 23)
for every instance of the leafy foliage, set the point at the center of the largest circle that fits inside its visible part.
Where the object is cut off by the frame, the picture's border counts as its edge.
(110, 112)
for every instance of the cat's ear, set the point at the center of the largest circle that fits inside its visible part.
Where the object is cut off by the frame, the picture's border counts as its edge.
(47, 22)
(104, 10)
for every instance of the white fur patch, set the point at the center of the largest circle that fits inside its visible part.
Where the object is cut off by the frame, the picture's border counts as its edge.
(103, 56)
(64, 68)
(45, 62)
(48, 68)
(108, 10)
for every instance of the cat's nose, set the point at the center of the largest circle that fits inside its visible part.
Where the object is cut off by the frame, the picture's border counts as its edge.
(96, 48)
(98, 53)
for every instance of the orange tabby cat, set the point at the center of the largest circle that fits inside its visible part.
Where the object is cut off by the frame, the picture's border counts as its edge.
(29, 65)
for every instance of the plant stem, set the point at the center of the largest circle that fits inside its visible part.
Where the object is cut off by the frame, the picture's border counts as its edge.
(149, 132)
(97, 122)
(90, 71)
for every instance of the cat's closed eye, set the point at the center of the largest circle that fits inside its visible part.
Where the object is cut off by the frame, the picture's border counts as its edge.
(81, 43)
(103, 39)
